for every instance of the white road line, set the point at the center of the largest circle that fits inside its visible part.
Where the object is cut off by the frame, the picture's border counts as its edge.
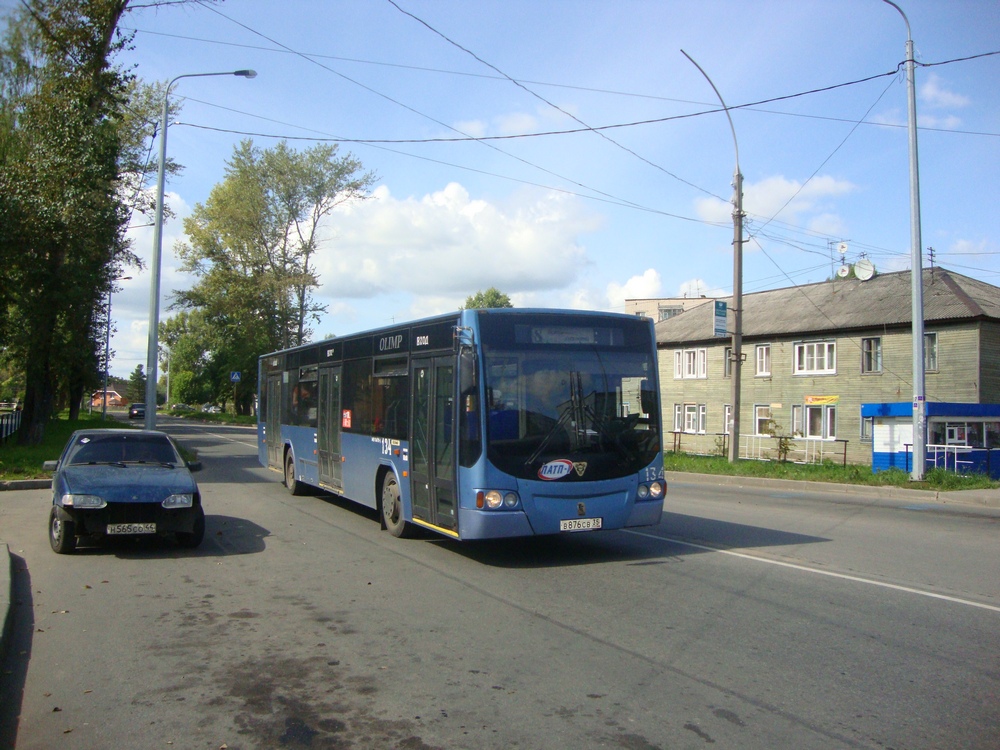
(817, 571)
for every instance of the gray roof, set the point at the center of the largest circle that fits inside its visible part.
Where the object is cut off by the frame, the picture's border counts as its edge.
(843, 304)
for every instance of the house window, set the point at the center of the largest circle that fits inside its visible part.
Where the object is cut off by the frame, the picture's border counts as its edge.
(867, 429)
(727, 418)
(678, 417)
(727, 365)
(762, 420)
(871, 355)
(763, 360)
(821, 422)
(816, 358)
(930, 352)
(695, 418)
(690, 363)
(797, 419)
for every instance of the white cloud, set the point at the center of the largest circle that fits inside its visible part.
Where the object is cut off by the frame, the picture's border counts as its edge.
(646, 286)
(449, 245)
(933, 94)
(779, 197)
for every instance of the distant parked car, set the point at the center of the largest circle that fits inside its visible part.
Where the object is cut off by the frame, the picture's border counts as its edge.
(211, 409)
(123, 483)
(181, 407)
(137, 411)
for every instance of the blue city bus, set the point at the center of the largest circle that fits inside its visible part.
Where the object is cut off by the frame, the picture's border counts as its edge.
(479, 424)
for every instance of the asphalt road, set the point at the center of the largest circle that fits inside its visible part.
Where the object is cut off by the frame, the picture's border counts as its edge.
(749, 618)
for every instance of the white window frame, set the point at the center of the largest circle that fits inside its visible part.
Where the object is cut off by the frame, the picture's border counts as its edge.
(931, 352)
(797, 415)
(678, 417)
(820, 422)
(763, 361)
(690, 364)
(761, 413)
(727, 362)
(871, 355)
(815, 358)
(727, 419)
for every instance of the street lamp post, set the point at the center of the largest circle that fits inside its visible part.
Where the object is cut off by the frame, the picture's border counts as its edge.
(916, 267)
(737, 333)
(152, 350)
(107, 348)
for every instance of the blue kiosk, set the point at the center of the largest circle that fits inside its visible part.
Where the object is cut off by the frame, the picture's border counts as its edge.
(964, 438)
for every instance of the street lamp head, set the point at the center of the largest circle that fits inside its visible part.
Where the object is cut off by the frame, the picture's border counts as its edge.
(245, 73)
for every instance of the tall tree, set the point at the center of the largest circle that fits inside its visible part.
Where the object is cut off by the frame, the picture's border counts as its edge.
(253, 245)
(490, 299)
(73, 130)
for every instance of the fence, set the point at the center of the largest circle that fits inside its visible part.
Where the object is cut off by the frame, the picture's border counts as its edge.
(9, 423)
(762, 447)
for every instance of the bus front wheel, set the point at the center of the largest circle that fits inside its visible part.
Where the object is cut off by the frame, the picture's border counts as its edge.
(293, 485)
(392, 507)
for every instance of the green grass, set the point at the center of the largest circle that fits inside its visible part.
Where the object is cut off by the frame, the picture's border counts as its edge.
(25, 462)
(935, 479)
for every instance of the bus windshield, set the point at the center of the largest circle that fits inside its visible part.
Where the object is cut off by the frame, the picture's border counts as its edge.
(594, 406)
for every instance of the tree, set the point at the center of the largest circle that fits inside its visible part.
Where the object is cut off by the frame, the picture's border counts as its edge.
(73, 134)
(252, 245)
(136, 390)
(492, 298)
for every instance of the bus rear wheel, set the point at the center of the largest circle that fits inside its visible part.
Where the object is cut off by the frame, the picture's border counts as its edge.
(293, 485)
(392, 508)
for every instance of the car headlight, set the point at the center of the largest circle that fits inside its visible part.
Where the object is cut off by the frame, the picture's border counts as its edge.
(83, 501)
(179, 501)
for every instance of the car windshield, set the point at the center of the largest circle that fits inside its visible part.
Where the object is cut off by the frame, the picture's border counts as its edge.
(122, 448)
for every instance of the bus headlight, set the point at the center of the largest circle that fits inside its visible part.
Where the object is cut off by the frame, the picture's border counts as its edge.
(496, 499)
(651, 491)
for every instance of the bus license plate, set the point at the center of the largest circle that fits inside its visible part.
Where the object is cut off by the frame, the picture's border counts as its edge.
(131, 528)
(580, 524)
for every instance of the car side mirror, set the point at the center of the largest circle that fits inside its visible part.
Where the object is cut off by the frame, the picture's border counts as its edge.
(194, 465)
(50, 465)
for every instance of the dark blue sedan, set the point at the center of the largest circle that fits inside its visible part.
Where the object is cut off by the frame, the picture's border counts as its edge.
(123, 483)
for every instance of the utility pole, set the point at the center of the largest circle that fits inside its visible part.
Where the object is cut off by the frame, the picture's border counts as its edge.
(734, 432)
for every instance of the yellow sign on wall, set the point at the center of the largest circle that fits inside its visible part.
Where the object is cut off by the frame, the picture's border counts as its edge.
(821, 400)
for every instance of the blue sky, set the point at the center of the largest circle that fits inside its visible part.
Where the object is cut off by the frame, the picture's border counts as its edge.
(587, 219)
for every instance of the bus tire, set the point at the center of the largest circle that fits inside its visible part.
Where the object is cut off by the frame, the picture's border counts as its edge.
(294, 486)
(392, 507)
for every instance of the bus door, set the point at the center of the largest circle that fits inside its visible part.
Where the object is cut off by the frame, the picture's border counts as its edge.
(272, 423)
(432, 445)
(328, 427)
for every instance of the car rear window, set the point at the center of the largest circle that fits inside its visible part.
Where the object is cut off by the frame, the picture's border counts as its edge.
(126, 448)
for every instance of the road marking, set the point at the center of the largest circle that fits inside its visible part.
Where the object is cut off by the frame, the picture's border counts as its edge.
(817, 571)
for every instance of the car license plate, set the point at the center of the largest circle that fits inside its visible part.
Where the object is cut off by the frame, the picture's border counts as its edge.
(580, 524)
(131, 528)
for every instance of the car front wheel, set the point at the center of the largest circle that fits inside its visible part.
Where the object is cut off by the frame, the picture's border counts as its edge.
(62, 532)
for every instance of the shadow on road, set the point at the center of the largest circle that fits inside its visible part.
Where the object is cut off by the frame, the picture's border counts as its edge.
(649, 545)
(224, 536)
(14, 662)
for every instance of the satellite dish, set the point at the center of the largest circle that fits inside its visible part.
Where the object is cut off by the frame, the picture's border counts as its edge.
(842, 248)
(864, 269)
(843, 272)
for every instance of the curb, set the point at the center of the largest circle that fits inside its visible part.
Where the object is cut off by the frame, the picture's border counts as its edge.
(6, 584)
(25, 484)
